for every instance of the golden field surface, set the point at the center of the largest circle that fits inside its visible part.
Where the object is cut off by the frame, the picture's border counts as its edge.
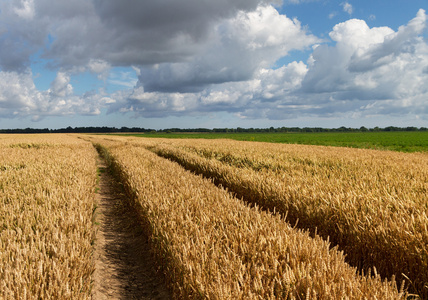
(47, 186)
(373, 204)
(225, 219)
(212, 245)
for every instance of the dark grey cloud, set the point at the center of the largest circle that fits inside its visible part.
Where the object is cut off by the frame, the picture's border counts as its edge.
(135, 32)
(123, 33)
(19, 37)
(169, 18)
(14, 56)
(236, 49)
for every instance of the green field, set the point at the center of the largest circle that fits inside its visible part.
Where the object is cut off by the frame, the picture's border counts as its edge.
(403, 141)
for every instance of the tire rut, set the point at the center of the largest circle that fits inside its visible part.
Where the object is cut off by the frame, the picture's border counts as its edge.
(124, 265)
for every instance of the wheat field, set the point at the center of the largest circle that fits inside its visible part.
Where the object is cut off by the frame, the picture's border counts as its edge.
(260, 221)
(373, 204)
(47, 186)
(214, 246)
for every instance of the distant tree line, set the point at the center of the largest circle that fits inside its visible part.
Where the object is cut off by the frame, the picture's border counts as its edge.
(70, 129)
(105, 129)
(294, 129)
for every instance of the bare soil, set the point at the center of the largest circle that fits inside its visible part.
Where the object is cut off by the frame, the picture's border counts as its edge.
(124, 265)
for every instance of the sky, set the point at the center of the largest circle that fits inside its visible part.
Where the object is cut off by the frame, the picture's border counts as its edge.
(213, 64)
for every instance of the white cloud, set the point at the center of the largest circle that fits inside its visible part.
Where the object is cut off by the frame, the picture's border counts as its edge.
(100, 67)
(371, 68)
(367, 72)
(238, 47)
(153, 104)
(347, 7)
(61, 86)
(16, 91)
(298, 1)
(264, 92)
(194, 57)
(19, 97)
(25, 9)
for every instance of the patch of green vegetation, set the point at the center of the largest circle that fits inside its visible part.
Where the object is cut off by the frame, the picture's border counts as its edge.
(403, 141)
(99, 172)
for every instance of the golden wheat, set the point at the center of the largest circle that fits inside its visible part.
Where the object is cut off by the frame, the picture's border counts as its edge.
(47, 185)
(213, 246)
(373, 204)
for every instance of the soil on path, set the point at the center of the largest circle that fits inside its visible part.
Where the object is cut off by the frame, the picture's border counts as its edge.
(124, 266)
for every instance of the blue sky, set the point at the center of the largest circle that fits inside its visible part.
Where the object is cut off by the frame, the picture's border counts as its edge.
(225, 63)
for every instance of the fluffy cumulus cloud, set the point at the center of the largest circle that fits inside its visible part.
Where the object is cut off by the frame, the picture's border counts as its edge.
(180, 50)
(261, 96)
(365, 72)
(194, 57)
(236, 49)
(94, 36)
(371, 69)
(19, 97)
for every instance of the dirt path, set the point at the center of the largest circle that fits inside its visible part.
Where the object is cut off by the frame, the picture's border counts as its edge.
(124, 268)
